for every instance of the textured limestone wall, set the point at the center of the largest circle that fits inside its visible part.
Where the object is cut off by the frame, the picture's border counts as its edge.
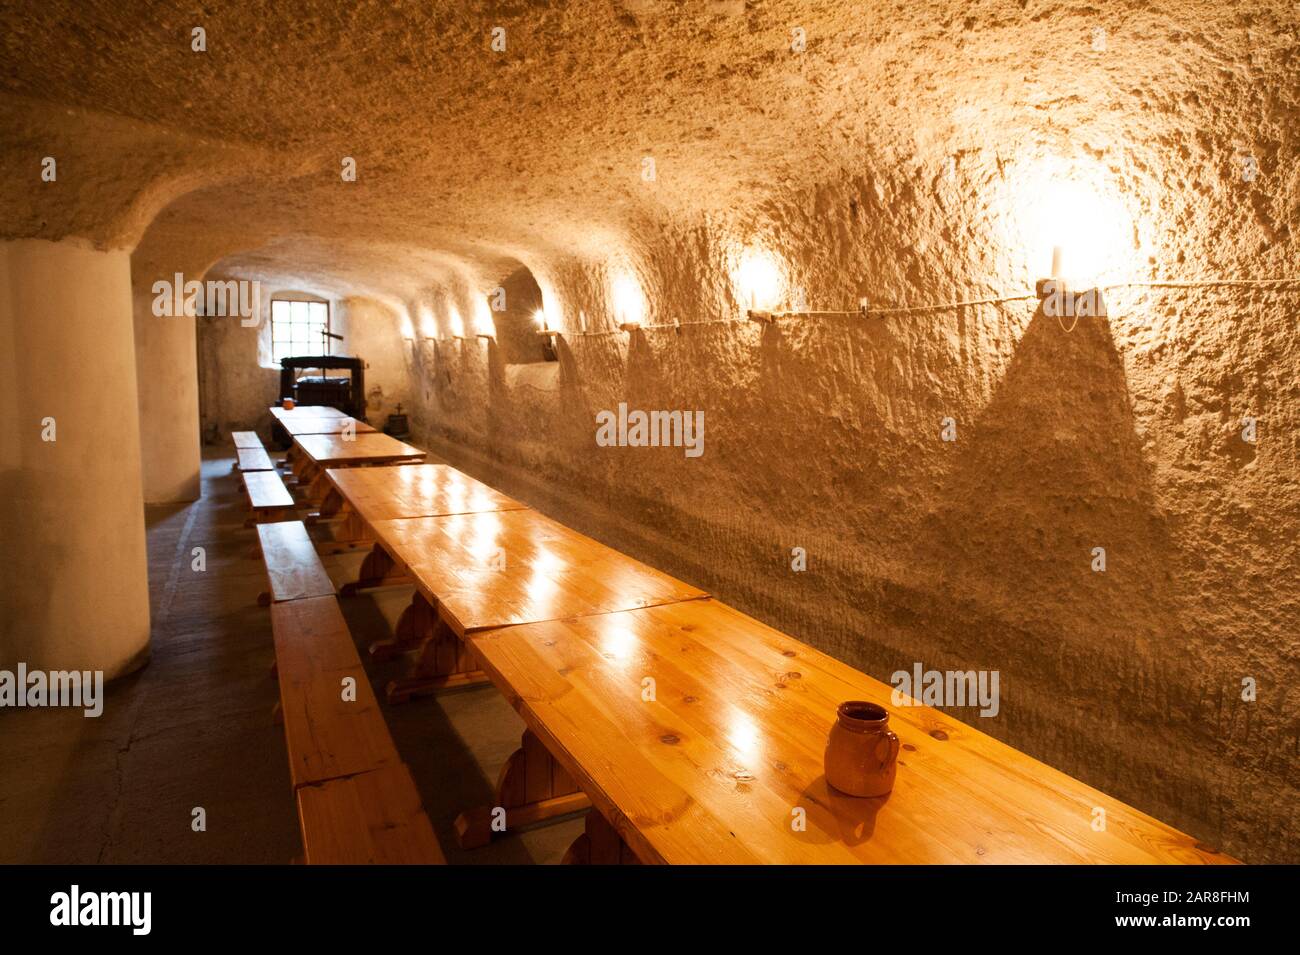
(825, 433)
(372, 333)
(235, 386)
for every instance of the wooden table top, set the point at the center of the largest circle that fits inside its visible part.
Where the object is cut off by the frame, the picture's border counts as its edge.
(322, 424)
(415, 490)
(713, 768)
(304, 411)
(546, 570)
(374, 447)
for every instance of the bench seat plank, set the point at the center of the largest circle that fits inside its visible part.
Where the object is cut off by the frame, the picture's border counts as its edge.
(254, 459)
(246, 439)
(371, 818)
(327, 736)
(266, 490)
(293, 568)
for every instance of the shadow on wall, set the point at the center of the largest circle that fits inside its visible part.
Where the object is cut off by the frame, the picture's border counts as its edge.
(1048, 511)
(1060, 571)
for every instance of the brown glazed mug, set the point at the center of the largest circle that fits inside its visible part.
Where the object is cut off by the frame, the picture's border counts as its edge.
(862, 751)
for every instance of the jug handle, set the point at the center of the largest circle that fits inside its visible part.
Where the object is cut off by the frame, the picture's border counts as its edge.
(892, 747)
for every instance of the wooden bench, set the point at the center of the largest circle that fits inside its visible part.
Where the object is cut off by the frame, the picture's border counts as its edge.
(356, 799)
(268, 498)
(253, 459)
(371, 818)
(246, 440)
(293, 568)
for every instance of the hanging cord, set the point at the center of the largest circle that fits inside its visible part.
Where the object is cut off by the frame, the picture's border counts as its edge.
(868, 310)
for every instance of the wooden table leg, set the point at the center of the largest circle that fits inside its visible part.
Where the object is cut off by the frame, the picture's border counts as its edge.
(532, 788)
(444, 661)
(378, 570)
(347, 532)
(332, 504)
(600, 844)
(414, 626)
(318, 486)
(328, 511)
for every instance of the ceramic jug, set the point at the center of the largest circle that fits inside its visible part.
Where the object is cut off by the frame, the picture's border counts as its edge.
(862, 751)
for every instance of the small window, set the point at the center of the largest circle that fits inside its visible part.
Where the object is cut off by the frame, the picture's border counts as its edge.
(299, 328)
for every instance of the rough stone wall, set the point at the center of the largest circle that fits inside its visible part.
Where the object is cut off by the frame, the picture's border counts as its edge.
(371, 332)
(824, 433)
(235, 389)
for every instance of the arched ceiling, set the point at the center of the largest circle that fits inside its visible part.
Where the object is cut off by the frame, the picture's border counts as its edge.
(470, 160)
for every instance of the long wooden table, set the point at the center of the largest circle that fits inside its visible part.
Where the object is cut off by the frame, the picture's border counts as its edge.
(357, 497)
(487, 569)
(303, 411)
(696, 732)
(322, 424)
(494, 569)
(499, 568)
(413, 490)
(723, 763)
(317, 452)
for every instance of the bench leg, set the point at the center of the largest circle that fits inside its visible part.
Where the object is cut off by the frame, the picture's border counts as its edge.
(532, 788)
(377, 570)
(444, 663)
(600, 844)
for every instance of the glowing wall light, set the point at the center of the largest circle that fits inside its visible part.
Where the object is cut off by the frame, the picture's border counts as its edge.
(627, 298)
(1070, 224)
(548, 336)
(456, 324)
(406, 328)
(428, 327)
(483, 326)
(758, 280)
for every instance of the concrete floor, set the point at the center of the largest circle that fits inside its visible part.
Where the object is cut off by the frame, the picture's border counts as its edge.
(194, 727)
